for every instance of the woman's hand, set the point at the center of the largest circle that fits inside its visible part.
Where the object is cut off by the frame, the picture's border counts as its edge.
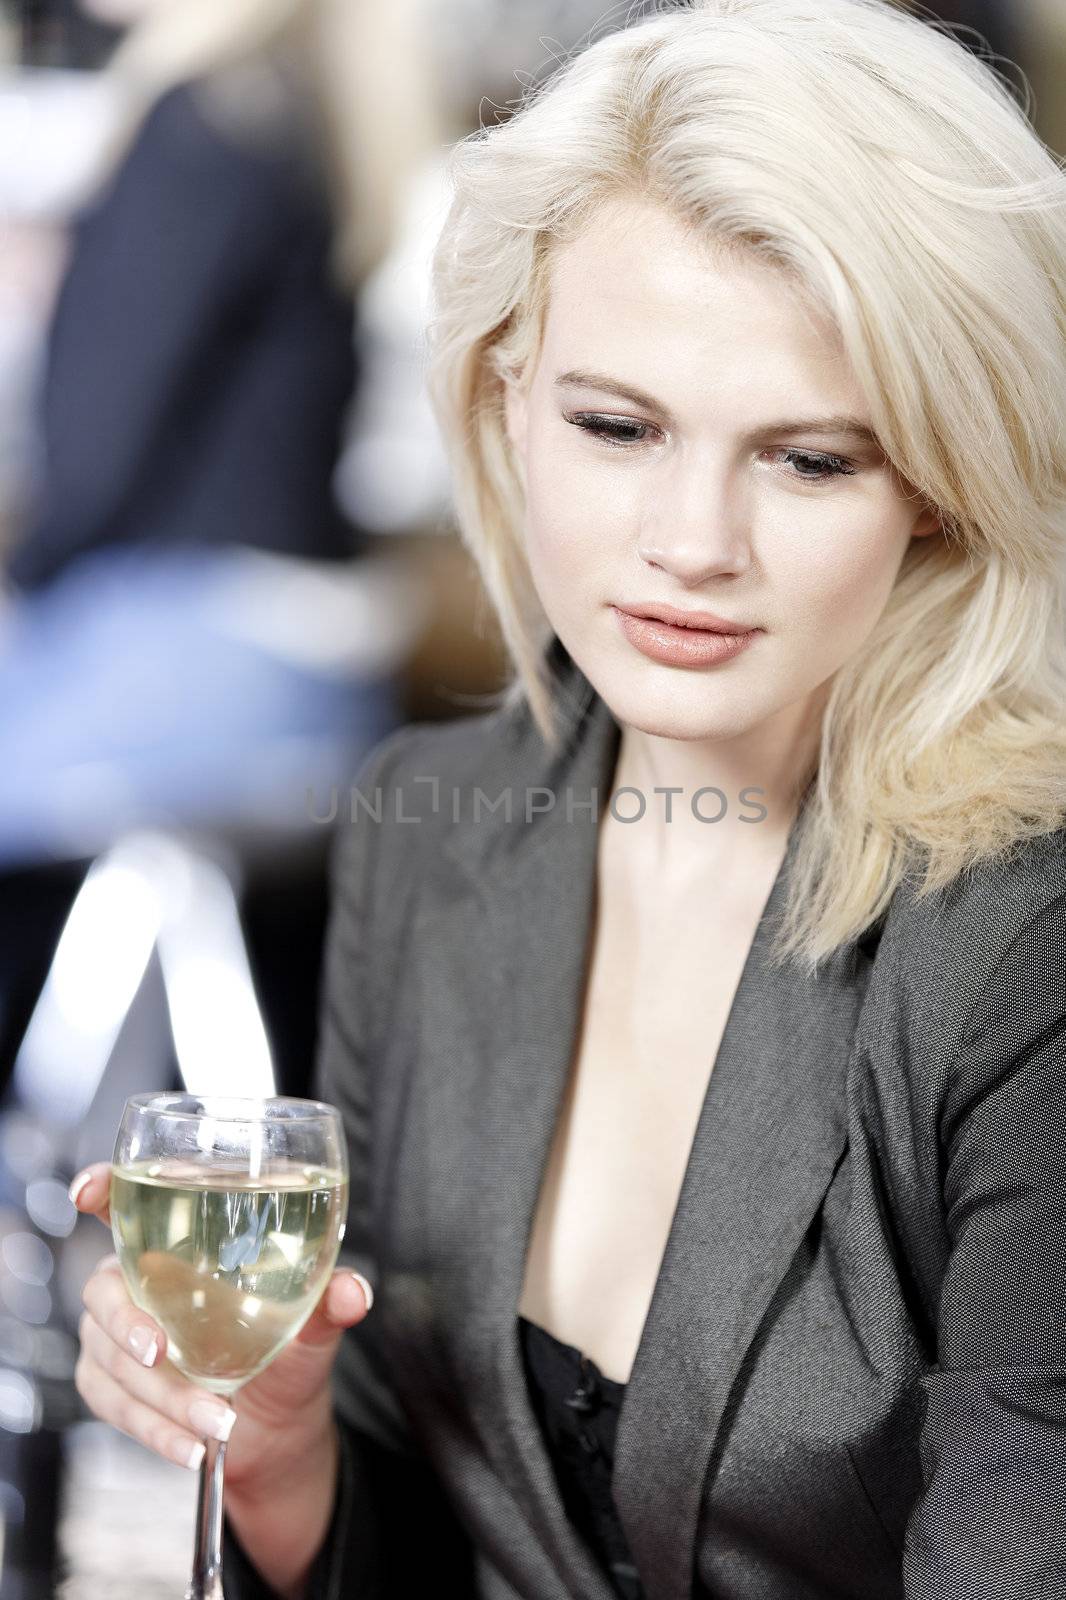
(123, 1375)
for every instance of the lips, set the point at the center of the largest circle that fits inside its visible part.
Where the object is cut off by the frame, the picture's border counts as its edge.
(705, 621)
(684, 645)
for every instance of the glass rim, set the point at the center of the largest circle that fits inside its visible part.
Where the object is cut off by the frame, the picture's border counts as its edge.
(156, 1103)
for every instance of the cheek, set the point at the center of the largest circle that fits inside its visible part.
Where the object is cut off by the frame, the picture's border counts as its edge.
(577, 518)
(841, 576)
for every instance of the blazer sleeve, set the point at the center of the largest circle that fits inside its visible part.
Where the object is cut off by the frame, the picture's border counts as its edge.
(393, 1531)
(990, 1523)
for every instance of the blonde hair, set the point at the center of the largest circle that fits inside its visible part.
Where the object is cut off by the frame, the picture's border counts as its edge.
(892, 173)
(363, 60)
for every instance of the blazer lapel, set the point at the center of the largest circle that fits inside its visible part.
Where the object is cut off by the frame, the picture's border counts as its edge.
(770, 1132)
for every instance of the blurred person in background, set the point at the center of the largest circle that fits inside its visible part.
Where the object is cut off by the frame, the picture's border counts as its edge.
(192, 632)
(200, 364)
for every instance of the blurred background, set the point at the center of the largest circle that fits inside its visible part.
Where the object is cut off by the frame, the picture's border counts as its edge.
(227, 569)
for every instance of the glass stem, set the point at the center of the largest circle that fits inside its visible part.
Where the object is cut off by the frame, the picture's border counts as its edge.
(206, 1581)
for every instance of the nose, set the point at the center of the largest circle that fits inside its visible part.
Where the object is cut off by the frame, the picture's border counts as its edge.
(698, 525)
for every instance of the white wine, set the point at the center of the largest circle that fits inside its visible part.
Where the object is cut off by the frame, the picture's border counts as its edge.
(230, 1266)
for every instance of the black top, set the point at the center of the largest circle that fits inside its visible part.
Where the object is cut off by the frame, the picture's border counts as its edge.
(200, 357)
(578, 1410)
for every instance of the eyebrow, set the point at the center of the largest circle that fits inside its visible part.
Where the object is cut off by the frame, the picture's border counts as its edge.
(849, 427)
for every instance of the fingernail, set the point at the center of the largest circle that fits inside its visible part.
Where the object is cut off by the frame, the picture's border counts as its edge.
(77, 1185)
(108, 1261)
(144, 1344)
(196, 1455)
(367, 1290)
(207, 1417)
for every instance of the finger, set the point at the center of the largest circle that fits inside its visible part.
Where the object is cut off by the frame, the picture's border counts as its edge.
(165, 1390)
(345, 1301)
(111, 1403)
(90, 1191)
(107, 1299)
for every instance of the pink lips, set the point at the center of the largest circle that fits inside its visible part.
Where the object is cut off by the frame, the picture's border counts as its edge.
(701, 640)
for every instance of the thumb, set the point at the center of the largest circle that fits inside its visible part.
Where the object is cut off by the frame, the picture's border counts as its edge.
(300, 1377)
(346, 1301)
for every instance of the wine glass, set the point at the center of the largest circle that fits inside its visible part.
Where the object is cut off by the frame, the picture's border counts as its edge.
(227, 1214)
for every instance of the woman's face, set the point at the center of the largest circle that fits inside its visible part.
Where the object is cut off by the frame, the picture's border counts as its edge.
(727, 478)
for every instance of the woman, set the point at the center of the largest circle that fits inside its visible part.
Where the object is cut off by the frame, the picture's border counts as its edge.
(757, 310)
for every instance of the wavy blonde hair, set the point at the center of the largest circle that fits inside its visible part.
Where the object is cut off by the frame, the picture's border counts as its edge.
(892, 174)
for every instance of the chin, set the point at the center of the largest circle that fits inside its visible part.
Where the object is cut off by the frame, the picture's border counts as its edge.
(673, 709)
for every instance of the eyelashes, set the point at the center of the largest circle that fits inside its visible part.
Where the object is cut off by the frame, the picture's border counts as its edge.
(622, 433)
(616, 430)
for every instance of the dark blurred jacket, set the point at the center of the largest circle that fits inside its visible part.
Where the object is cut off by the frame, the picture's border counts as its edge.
(200, 358)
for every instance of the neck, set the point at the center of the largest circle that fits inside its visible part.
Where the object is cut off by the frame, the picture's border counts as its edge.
(713, 801)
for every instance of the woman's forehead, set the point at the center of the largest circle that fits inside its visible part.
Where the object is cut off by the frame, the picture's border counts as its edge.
(635, 253)
(651, 300)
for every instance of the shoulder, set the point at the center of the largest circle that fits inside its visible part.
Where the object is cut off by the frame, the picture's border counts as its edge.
(968, 925)
(990, 942)
(401, 805)
(175, 130)
(457, 752)
(203, 132)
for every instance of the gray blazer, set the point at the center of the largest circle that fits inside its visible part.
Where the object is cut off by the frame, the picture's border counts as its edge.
(851, 1384)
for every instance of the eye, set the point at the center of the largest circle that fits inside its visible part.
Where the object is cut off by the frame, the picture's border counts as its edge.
(617, 431)
(621, 432)
(824, 466)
